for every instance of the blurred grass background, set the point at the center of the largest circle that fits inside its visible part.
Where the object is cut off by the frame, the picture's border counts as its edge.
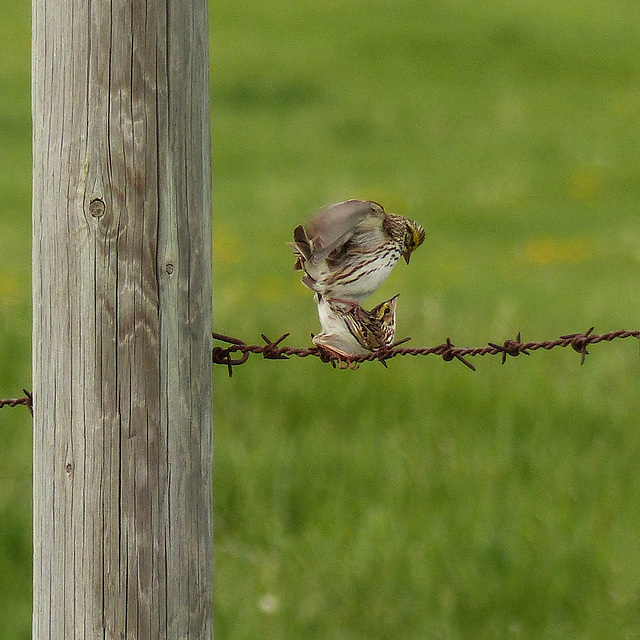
(423, 501)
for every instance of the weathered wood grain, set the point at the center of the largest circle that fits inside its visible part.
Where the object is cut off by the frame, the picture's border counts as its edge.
(122, 320)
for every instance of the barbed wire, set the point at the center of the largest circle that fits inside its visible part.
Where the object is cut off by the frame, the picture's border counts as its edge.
(272, 350)
(26, 400)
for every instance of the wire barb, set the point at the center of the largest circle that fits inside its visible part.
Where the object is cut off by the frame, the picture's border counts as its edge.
(510, 348)
(579, 342)
(271, 351)
(449, 352)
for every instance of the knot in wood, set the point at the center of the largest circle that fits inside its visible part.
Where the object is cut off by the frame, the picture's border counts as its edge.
(97, 208)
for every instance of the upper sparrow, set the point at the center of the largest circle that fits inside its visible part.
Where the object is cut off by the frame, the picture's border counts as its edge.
(348, 249)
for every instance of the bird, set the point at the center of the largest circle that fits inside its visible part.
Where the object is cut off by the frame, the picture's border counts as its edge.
(348, 329)
(348, 249)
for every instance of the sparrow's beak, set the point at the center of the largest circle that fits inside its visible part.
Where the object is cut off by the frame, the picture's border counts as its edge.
(406, 257)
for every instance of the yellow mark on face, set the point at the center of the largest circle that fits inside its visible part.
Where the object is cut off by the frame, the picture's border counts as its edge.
(418, 237)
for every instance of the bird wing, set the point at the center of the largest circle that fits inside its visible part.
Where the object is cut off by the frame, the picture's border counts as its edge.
(334, 225)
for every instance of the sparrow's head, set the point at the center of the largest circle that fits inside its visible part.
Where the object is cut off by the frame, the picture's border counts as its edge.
(413, 238)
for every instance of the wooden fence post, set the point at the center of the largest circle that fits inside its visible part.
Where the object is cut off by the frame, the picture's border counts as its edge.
(122, 320)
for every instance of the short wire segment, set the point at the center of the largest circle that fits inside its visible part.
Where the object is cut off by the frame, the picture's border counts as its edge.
(27, 401)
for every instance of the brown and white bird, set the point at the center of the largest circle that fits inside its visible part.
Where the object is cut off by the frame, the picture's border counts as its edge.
(349, 249)
(348, 329)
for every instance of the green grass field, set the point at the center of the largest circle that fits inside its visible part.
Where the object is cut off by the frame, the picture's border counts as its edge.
(422, 501)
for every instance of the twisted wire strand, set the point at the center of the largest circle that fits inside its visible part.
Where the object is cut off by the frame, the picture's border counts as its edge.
(27, 401)
(272, 350)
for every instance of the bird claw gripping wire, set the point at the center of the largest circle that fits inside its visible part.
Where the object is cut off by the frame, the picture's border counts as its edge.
(337, 361)
(354, 361)
(345, 363)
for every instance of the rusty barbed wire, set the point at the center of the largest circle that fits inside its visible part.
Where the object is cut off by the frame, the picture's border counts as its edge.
(272, 350)
(27, 401)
